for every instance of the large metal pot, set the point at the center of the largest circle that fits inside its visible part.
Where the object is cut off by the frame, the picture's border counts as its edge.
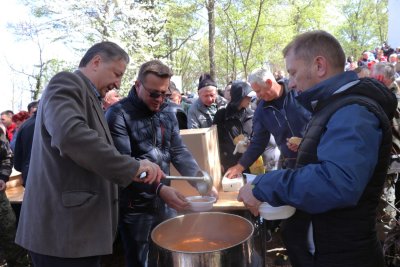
(206, 239)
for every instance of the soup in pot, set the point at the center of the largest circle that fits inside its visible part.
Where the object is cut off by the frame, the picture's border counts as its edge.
(199, 244)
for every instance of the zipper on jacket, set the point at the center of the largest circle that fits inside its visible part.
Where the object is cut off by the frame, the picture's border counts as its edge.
(284, 107)
(154, 128)
(274, 110)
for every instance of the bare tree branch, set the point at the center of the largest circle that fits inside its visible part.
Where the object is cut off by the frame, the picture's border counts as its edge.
(177, 48)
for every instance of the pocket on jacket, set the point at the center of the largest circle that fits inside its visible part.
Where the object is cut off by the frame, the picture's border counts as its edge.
(76, 198)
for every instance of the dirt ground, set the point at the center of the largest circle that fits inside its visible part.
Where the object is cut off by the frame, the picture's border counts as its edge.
(276, 252)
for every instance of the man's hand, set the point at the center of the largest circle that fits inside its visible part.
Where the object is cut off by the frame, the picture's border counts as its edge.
(292, 147)
(234, 171)
(293, 143)
(152, 171)
(173, 198)
(3, 185)
(246, 196)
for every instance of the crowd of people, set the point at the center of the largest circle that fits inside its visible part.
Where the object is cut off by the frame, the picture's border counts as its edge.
(83, 151)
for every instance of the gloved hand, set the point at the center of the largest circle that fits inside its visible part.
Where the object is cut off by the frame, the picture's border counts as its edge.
(241, 146)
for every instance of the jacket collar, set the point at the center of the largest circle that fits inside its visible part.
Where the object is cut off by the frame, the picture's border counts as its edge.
(326, 88)
(96, 104)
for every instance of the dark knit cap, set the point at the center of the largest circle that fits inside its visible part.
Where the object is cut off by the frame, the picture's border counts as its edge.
(206, 80)
(239, 91)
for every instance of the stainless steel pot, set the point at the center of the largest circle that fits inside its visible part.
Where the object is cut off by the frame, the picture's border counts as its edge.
(206, 239)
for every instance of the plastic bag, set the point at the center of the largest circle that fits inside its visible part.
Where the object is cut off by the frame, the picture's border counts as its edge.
(258, 166)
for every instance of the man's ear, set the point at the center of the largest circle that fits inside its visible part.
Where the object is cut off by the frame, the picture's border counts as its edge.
(268, 82)
(321, 66)
(137, 84)
(96, 60)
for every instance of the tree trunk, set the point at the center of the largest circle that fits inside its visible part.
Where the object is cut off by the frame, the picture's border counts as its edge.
(211, 35)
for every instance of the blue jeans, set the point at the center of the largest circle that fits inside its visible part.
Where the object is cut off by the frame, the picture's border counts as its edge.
(135, 229)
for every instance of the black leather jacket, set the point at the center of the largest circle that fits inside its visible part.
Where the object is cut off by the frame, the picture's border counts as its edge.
(230, 124)
(6, 157)
(144, 134)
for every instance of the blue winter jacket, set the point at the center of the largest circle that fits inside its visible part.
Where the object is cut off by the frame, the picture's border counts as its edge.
(348, 149)
(145, 134)
(23, 147)
(285, 122)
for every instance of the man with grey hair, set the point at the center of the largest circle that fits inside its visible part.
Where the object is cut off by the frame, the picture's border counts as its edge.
(70, 210)
(393, 59)
(111, 98)
(278, 114)
(341, 163)
(385, 73)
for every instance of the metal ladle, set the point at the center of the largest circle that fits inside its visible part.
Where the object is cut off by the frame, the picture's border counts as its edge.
(204, 181)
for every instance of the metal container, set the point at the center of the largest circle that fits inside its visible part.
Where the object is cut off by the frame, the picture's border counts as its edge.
(206, 239)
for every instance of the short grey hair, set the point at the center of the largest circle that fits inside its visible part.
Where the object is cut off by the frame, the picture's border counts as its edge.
(107, 50)
(259, 76)
(308, 45)
(386, 69)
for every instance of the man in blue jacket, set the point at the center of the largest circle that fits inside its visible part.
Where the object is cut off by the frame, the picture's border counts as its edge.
(341, 163)
(144, 127)
(23, 146)
(278, 114)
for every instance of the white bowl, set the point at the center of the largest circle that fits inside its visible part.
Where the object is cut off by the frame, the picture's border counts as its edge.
(201, 203)
(232, 184)
(275, 213)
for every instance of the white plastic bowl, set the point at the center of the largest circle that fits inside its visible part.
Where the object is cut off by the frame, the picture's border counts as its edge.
(275, 213)
(201, 203)
(232, 184)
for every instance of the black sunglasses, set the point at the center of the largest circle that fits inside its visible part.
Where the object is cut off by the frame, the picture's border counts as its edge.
(156, 95)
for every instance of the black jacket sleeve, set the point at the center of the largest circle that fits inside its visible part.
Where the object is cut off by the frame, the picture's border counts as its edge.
(6, 158)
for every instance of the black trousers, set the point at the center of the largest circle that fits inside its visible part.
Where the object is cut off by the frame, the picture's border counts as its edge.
(135, 230)
(40, 260)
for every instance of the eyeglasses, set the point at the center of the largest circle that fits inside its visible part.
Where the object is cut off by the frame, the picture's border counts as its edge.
(156, 95)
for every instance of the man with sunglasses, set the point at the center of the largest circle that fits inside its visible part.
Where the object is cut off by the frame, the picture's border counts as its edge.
(144, 127)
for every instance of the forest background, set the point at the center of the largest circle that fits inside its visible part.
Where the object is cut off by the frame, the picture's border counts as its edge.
(227, 38)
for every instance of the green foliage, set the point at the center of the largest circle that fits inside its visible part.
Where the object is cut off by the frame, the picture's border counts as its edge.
(249, 34)
(365, 25)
